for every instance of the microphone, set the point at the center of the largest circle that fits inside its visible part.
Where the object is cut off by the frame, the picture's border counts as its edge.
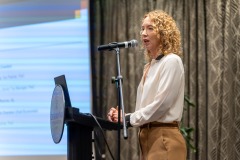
(110, 46)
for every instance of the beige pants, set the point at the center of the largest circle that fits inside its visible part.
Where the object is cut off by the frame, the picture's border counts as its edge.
(162, 143)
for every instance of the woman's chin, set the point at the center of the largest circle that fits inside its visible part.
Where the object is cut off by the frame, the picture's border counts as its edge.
(147, 47)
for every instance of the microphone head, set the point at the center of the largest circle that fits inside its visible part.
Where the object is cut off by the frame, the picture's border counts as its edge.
(134, 43)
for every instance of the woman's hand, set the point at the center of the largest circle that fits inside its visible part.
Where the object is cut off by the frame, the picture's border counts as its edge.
(113, 115)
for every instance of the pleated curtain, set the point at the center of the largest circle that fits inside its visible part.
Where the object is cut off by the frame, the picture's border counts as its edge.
(211, 55)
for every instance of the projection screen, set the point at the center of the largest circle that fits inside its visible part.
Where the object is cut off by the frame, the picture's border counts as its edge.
(39, 40)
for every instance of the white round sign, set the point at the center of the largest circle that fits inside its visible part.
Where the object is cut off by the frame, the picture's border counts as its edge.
(57, 113)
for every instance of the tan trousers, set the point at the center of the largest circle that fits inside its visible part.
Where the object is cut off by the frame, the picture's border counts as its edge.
(162, 143)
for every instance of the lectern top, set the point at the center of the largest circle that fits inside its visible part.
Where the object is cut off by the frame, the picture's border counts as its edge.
(61, 80)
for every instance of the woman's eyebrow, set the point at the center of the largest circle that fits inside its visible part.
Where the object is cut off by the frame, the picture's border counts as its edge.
(147, 26)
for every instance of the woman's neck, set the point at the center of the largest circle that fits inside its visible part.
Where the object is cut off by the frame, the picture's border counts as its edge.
(154, 54)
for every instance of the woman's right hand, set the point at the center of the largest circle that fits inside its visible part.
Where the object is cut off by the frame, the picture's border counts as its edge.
(113, 115)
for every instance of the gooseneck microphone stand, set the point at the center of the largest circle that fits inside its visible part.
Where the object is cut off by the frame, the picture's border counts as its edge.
(118, 82)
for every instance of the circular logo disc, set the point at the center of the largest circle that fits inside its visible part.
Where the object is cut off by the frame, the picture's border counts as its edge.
(57, 113)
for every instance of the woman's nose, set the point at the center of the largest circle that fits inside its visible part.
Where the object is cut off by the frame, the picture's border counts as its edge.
(144, 32)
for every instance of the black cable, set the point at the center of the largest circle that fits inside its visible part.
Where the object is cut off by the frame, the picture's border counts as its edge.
(102, 134)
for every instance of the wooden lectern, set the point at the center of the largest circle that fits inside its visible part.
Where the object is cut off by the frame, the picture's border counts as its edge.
(79, 125)
(79, 133)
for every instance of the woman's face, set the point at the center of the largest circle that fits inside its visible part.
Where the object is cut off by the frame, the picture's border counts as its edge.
(149, 37)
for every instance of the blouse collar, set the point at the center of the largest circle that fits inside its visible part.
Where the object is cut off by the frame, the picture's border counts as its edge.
(159, 57)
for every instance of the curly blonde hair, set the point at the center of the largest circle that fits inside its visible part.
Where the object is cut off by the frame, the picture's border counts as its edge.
(168, 32)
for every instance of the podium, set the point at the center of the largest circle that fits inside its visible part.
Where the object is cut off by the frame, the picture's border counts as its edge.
(79, 125)
(79, 133)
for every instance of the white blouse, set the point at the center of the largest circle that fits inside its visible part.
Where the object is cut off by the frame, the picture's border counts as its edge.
(161, 96)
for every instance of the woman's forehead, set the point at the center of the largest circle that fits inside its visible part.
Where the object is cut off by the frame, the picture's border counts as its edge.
(147, 22)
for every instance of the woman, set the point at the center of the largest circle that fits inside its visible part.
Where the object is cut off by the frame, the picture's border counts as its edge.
(160, 94)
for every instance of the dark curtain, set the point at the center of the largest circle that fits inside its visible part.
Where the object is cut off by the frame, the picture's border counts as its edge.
(211, 46)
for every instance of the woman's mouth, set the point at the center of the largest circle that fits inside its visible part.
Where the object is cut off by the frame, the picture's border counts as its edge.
(145, 41)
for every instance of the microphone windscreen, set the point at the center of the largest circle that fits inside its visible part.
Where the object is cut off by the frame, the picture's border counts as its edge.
(134, 43)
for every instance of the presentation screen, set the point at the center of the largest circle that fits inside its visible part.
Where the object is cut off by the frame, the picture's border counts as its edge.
(40, 40)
